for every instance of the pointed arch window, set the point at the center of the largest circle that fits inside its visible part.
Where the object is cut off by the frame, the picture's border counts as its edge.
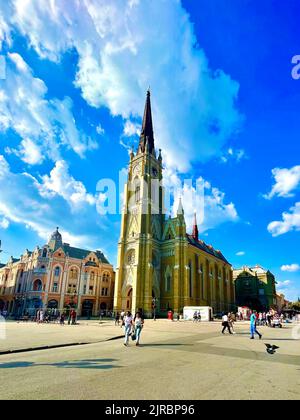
(190, 279)
(137, 194)
(168, 283)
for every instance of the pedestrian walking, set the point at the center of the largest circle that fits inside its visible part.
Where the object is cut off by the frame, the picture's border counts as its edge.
(225, 323)
(38, 317)
(62, 319)
(269, 319)
(41, 317)
(122, 318)
(198, 316)
(138, 326)
(264, 319)
(117, 319)
(253, 329)
(73, 317)
(260, 319)
(128, 323)
(231, 321)
(195, 316)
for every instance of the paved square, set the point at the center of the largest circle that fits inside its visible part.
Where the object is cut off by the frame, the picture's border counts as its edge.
(175, 361)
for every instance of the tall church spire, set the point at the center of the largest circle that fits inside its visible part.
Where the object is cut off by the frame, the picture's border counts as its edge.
(147, 137)
(195, 233)
(180, 211)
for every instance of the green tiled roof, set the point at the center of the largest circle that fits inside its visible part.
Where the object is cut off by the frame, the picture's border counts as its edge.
(83, 253)
(2, 265)
(101, 257)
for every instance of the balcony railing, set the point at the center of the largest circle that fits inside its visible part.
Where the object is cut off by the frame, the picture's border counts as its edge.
(40, 271)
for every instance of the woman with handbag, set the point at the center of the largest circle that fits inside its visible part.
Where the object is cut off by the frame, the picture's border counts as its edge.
(128, 323)
(138, 326)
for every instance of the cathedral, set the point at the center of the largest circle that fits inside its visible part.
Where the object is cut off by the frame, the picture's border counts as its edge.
(160, 265)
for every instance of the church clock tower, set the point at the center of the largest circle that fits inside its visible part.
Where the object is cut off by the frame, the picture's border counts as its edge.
(138, 269)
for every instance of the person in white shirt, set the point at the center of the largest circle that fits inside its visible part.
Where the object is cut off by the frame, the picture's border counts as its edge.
(122, 315)
(138, 326)
(128, 323)
(225, 323)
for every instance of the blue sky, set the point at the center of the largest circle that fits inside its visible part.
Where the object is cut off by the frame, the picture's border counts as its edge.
(223, 100)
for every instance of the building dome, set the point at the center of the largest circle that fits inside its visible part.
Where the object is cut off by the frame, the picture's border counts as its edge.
(55, 241)
(56, 236)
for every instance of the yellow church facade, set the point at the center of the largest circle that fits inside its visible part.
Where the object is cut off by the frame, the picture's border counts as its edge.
(159, 264)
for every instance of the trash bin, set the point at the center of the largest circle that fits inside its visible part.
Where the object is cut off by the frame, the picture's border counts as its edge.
(170, 316)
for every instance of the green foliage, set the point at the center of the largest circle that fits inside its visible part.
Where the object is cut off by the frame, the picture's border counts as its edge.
(296, 305)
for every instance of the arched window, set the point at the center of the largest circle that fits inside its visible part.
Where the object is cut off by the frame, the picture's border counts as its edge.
(202, 279)
(137, 194)
(105, 277)
(37, 286)
(73, 274)
(44, 255)
(131, 257)
(57, 272)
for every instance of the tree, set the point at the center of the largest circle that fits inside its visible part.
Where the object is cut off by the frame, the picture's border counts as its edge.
(296, 305)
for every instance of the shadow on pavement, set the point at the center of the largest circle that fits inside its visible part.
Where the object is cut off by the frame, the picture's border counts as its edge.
(259, 354)
(166, 345)
(77, 364)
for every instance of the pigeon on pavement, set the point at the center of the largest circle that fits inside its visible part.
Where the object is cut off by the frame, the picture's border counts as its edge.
(271, 349)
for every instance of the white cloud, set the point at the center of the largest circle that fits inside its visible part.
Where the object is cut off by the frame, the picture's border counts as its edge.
(61, 183)
(44, 126)
(41, 206)
(283, 284)
(28, 151)
(286, 182)
(4, 223)
(240, 253)
(4, 167)
(131, 128)
(100, 130)
(194, 106)
(233, 154)
(290, 222)
(208, 202)
(290, 267)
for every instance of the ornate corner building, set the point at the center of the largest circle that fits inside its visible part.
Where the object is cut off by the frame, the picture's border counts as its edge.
(159, 264)
(57, 276)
